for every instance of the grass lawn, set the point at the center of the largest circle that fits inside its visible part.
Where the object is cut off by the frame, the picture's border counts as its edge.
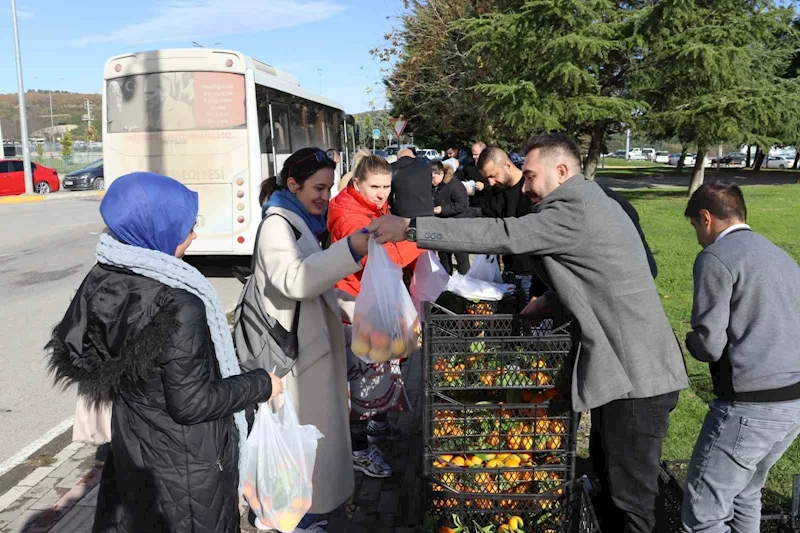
(772, 211)
(619, 162)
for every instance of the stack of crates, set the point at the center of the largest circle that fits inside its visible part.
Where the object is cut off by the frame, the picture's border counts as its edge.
(500, 439)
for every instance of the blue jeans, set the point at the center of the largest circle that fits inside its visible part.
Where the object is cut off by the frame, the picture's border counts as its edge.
(737, 446)
(526, 284)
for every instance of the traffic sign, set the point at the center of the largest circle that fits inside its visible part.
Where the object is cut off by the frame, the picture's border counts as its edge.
(399, 125)
(376, 134)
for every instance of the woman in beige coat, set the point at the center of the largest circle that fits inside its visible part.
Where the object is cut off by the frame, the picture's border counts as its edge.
(291, 267)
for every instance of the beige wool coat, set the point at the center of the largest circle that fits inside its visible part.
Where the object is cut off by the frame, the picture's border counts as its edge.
(290, 270)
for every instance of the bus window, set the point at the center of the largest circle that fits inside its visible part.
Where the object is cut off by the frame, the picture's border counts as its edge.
(319, 134)
(333, 120)
(298, 118)
(280, 128)
(170, 101)
(264, 131)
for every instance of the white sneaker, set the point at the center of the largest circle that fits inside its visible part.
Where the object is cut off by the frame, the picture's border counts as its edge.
(371, 463)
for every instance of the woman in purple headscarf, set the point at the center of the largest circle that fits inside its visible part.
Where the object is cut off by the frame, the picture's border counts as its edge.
(148, 332)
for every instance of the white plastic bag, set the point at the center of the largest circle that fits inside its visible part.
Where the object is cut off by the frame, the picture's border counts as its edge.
(478, 290)
(280, 465)
(385, 324)
(429, 281)
(486, 268)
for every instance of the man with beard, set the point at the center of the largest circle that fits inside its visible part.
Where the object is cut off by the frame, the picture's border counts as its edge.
(630, 367)
(509, 201)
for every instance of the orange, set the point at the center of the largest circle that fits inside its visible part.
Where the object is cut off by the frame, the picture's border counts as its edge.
(364, 329)
(459, 461)
(399, 346)
(379, 340)
(380, 355)
(360, 347)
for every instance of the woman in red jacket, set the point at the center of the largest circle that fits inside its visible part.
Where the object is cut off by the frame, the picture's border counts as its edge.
(376, 388)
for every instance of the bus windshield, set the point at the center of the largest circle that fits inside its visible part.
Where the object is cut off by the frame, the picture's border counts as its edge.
(174, 101)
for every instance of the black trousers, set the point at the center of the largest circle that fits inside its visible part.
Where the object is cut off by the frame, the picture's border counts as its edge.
(625, 445)
(462, 259)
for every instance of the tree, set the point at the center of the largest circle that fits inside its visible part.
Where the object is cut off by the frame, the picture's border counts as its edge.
(91, 133)
(711, 73)
(66, 145)
(431, 83)
(559, 65)
(40, 150)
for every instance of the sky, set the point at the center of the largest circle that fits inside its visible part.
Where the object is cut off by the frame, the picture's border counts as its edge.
(65, 44)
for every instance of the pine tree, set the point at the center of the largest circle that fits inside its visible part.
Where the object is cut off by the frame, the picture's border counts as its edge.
(559, 65)
(712, 74)
(66, 145)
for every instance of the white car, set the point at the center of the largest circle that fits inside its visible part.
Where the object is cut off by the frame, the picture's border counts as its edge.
(429, 154)
(663, 158)
(778, 161)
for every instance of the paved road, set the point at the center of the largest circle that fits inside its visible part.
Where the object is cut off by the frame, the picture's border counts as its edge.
(46, 249)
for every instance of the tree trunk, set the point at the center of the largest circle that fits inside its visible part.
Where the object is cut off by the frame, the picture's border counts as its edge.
(592, 160)
(760, 156)
(747, 164)
(681, 161)
(699, 173)
(796, 160)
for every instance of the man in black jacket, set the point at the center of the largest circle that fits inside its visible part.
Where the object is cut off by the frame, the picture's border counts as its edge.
(411, 186)
(508, 201)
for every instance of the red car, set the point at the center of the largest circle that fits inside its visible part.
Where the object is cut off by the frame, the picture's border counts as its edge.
(12, 178)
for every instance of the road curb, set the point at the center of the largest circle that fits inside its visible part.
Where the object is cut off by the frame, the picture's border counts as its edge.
(36, 198)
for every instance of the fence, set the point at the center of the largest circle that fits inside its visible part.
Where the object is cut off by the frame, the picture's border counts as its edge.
(52, 157)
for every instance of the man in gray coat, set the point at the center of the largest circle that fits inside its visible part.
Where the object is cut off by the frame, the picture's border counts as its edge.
(630, 368)
(746, 326)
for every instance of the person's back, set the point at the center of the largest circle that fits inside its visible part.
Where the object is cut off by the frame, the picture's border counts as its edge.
(411, 187)
(756, 350)
(746, 325)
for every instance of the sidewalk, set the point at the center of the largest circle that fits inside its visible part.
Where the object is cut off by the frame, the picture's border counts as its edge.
(61, 497)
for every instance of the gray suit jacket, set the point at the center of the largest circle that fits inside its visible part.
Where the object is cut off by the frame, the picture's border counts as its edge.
(595, 262)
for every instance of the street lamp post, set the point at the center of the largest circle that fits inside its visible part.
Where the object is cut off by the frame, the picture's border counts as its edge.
(23, 116)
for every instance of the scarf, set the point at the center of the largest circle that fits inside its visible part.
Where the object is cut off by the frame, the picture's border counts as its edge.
(286, 200)
(149, 211)
(174, 272)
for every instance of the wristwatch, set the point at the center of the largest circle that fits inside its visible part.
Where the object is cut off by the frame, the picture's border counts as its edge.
(411, 231)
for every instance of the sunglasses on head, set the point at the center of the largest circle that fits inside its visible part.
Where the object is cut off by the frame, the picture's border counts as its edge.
(318, 155)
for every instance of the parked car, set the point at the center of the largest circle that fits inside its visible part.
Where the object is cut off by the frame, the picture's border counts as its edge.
(517, 159)
(673, 159)
(381, 153)
(649, 153)
(12, 178)
(733, 159)
(90, 177)
(662, 157)
(778, 161)
(429, 154)
(620, 154)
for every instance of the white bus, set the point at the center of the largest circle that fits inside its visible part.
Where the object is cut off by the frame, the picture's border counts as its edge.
(219, 122)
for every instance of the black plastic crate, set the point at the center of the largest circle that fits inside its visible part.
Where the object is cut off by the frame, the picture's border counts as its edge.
(497, 352)
(458, 429)
(566, 509)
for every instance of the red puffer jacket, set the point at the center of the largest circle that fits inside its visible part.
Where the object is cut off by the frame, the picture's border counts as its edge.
(350, 212)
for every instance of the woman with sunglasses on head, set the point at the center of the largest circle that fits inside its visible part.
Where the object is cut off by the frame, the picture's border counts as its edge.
(148, 332)
(375, 389)
(291, 266)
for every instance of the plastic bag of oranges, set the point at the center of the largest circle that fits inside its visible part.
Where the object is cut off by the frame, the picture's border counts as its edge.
(385, 325)
(280, 463)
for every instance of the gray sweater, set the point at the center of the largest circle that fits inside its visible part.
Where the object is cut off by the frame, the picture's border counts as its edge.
(746, 318)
